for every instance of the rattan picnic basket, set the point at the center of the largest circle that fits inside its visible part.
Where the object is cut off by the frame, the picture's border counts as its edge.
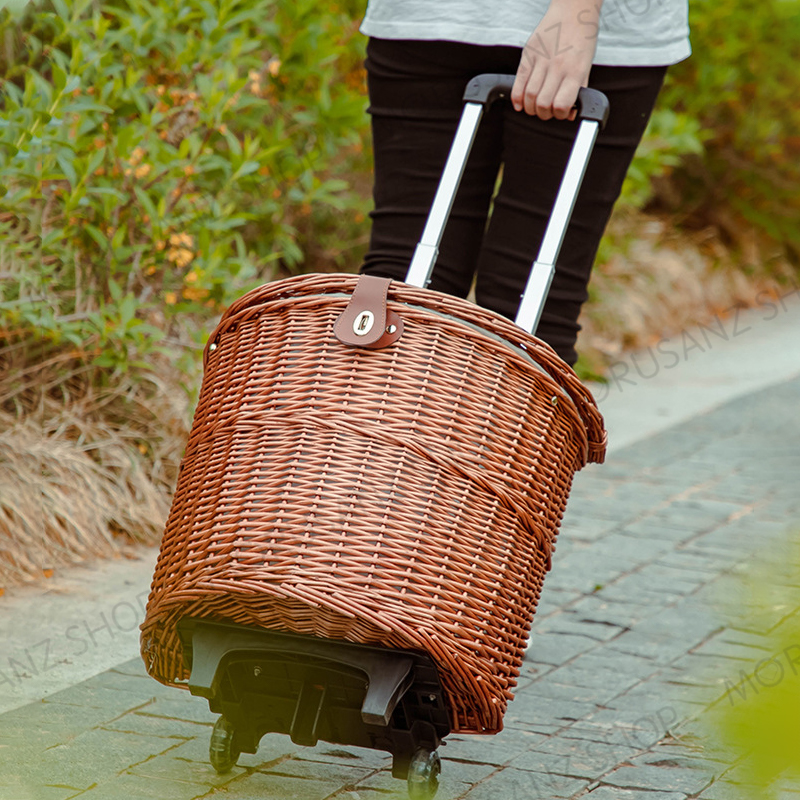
(407, 494)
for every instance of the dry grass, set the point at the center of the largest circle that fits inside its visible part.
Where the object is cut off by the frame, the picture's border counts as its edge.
(658, 283)
(83, 472)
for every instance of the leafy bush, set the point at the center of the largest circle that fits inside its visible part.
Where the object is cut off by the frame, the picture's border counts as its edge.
(754, 726)
(669, 138)
(157, 159)
(741, 86)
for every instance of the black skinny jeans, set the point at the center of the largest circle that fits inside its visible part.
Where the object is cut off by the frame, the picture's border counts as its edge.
(415, 92)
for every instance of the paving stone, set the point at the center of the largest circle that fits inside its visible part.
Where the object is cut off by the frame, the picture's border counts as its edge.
(722, 646)
(584, 569)
(273, 744)
(570, 622)
(656, 697)
(134, 667)
(272, 748)
(19, 792)
(149, 725)
(46, 724)
(183, 707)
(603, 684)
(572, 693)
(383, 786)
(613, 793)
(607, 659)
(637, 733)
(493, 750)
(278, 787)
(667, 635)
(636, 549)
(684, 754)
(644, 458)
(302, 767)
(540, 710)
(134, 787)
(693, 559)
(778, 508)
(141, 686)
(574, 757)
(553, 600)
(636, 728)
(174, 766)
(723, 790)
(557, 648)
(689, 693)
(532, 671)
(652, 585)
(660, 777)
(607, 508)
(658, 529)
(742, 534)
(584, 527)
(89, 758)
(760, 643)
(617, 613)
(94, 695)
(699, 515)
(739, 772)
(515, 784)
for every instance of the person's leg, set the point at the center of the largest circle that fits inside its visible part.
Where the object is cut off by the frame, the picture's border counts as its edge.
(415, 91)
(536, 153)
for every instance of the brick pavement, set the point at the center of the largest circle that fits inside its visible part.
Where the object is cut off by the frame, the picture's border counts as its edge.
(644, 623)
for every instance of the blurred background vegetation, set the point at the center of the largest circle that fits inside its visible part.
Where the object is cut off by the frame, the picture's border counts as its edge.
(158, 159)
(751, 731)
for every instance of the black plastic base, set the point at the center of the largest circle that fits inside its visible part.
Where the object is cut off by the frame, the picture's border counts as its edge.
(316, 689)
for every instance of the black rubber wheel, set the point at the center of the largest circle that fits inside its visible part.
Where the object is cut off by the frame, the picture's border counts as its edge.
(423, 775)
(222, 750)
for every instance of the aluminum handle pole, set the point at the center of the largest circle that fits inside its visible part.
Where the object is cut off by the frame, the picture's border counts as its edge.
(541, 276)
(421, 267)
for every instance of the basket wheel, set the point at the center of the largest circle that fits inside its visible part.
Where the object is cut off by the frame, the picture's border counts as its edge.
(423, 775)
(222, 750)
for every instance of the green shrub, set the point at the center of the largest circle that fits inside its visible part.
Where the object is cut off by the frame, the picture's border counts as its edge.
(158, 159)
(741, 86)
(754, 726)
(669, 138)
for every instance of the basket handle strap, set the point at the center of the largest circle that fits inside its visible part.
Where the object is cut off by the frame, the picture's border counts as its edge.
(367, 322)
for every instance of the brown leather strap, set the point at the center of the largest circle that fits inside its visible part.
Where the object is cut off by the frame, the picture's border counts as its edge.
(367, 322)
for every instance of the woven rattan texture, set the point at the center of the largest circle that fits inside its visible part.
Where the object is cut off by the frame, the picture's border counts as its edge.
(408, 496)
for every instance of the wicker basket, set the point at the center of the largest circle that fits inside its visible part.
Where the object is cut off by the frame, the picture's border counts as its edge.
(407, 496)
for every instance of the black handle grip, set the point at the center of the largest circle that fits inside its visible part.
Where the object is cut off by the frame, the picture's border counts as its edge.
(592, 104)
(487, 88)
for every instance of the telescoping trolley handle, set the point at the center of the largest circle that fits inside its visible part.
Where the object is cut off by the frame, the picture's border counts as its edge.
(481, 92)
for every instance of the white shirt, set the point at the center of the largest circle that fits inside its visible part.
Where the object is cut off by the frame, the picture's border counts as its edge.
(632, 32)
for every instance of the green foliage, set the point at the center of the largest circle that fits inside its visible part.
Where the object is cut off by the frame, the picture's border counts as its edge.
(741, 85)
(757, 721)
(158, 159)
(670, 136)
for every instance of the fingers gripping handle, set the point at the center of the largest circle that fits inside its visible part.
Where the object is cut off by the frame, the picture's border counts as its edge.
(485, 89)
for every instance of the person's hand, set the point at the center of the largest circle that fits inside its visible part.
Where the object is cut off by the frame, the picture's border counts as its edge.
(557, 59)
